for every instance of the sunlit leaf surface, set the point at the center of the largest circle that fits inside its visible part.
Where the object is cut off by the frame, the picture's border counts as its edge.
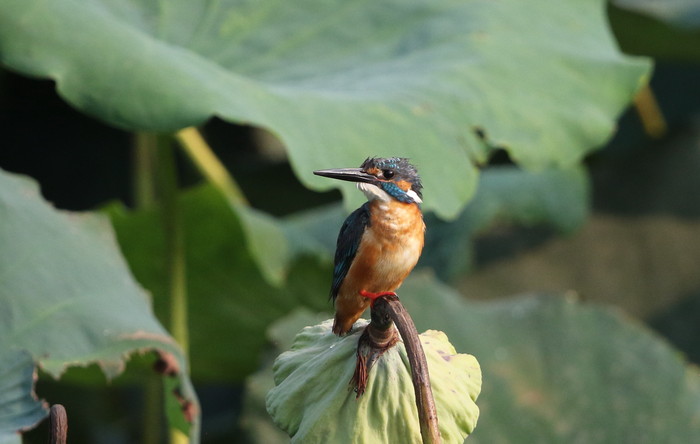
(554, 370)
(67, 297)
(441, 82)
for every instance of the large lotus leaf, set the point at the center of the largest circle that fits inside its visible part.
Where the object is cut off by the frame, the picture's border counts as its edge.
(229, 298)
(67, 297)
(557, 371)
(255, 421)
(554, 370)
(440, 82)
(19, 408)
(313, 405)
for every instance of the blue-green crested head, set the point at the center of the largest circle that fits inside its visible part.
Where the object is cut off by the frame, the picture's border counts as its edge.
(382, 178)
(396, 177)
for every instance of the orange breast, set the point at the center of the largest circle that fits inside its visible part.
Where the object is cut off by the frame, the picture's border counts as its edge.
(388, 251)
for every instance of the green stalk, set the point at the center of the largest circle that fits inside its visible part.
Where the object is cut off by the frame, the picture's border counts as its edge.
(175, 251)
(209, 166)
(152, 408)
(175, 254)
(650, 113)
(144, 157)
(144, 192)
(155, 181)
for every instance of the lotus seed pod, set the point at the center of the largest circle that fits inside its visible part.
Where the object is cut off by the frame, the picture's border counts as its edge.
(313, 402)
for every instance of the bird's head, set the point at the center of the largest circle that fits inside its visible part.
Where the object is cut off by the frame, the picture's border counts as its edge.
(382, 178)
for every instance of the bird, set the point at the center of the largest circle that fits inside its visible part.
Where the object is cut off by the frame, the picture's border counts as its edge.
(379, 243)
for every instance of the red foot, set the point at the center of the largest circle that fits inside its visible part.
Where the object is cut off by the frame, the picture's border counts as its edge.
(375, 296)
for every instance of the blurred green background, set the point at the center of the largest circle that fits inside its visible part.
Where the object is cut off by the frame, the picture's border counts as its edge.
(601, 234)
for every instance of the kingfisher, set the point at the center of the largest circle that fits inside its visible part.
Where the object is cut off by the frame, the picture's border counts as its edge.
(380, 242)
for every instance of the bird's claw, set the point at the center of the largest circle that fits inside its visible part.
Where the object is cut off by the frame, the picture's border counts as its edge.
(374, 296)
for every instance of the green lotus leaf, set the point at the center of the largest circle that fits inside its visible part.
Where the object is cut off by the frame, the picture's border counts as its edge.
(561, 371)
(19, 408)
(442, 82)
(555, 370)
(312, 401)
(67, 298)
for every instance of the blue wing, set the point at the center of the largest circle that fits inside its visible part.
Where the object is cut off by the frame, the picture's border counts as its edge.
(348, 243)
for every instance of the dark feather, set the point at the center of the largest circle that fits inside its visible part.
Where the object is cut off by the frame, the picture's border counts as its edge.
(348, 243)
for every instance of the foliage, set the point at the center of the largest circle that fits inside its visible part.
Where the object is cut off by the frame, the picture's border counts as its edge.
(507, 195)
(225, 283)
(665, 30)
(554, 370)
(67, 298)
(442, 82)
(450, 84)
(560, 371)
(228, 293)
(310, 404)
(18, 407)
(681, 13)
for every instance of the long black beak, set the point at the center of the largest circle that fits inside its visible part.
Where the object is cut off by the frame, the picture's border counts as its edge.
(349, 174)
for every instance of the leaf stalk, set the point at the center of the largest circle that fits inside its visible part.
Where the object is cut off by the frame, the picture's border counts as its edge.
(385, 310)
(209, 165)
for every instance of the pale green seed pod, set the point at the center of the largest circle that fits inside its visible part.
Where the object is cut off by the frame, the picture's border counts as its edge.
(313, 402)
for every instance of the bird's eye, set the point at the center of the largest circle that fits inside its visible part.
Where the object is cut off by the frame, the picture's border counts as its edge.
(388, 174)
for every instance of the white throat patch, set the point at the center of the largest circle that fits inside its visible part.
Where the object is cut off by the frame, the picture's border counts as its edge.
(413, 195)
(374, 192)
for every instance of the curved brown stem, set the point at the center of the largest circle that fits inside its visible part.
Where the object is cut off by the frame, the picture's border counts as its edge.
(58, 425)
(378, 337)
(427, 413)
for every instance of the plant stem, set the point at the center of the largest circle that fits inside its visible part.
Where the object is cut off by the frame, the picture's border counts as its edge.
(209, 165)
(175, 248)
(427, 413)
(144, 157)
(177, 437)
(649, 112)
(175, 253)
(58, 425)
(145, 153)
(155, 181)
(153, 402)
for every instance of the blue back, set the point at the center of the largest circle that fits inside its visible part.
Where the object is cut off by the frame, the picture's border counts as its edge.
(347, 245)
